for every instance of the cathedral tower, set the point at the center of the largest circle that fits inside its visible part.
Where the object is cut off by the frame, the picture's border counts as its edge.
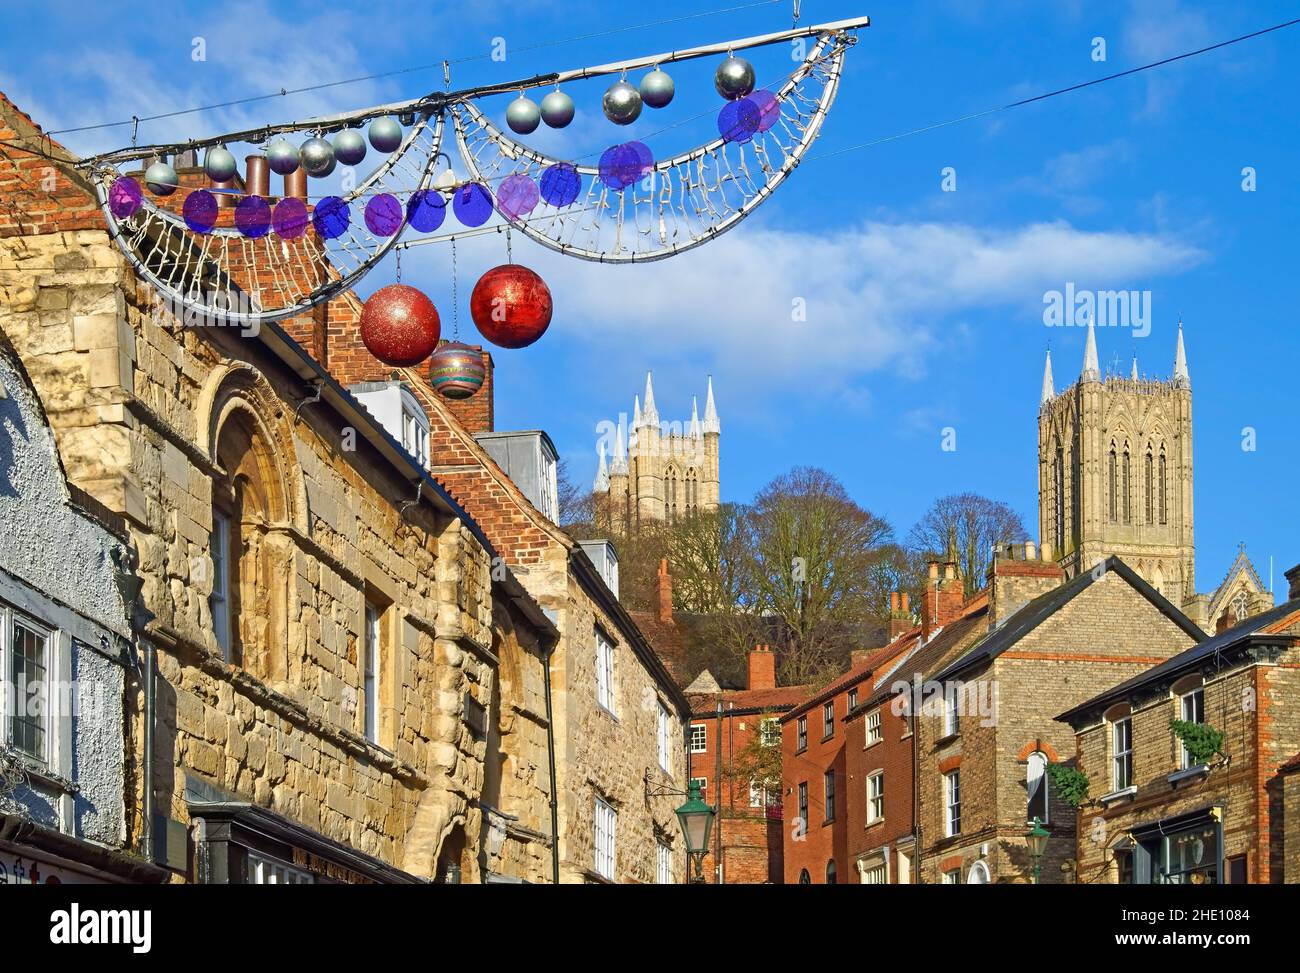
(1115, 472)
(663, 470)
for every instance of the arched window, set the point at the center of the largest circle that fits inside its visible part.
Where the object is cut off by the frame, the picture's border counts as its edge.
(1112, 491)
(692, 490)
(1164, 490)
(1058, 506)
(251, 556)
(830, 872)
(1150, 488)
(672, 494)
(1126, 485)
(1036, 785)
(805, 878)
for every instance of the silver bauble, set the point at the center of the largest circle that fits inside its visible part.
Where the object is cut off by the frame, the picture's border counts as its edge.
(161, 179)
(220, 165)
(523, 116)
(557, 109)
(735, 78)
(349, 146)
(385, 134)
(282, 156)
(317, 157)
(622, 103)
(657, 89)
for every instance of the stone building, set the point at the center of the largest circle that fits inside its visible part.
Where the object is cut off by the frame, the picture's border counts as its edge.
(727, 728)
(346, 688)
(664, 471)
(66, 662)
(1115, 477)
(1157, 812)
(987, 729)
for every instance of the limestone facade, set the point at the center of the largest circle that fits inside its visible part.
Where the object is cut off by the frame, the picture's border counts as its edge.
(332, 646)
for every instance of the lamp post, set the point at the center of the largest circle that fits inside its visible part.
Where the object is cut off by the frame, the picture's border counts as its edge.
(1037, 841)
(696, 819)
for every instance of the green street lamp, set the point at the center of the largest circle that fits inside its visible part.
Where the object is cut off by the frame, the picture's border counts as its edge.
(696, 819)
(1037, 841)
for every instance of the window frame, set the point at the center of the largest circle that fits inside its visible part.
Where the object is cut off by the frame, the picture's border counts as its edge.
(951, 718)
(769, 731)
(873, 728)
(801, 734)
(803, 801)
(372, 670)
(828, 796)
(1196, 696)
(663, 733)
(48, 721)
(876, 797)
(605, 839)
(828, 720)
(663, 862)
(952, 803)
(1043, 782)
(606, 693)
(219, 600)
(1121, 758)
(702, 730)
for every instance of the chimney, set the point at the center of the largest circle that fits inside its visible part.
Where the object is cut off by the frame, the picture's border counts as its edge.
(900, 617)
(258, 182)
(295, 184)
(943, 596)
(762, 668)
(1016, 578)
(1293, 579)
(665, 588)
(476, 412)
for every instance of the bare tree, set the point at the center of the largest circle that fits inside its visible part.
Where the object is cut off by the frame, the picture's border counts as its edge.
(576, 505)
(971, 526)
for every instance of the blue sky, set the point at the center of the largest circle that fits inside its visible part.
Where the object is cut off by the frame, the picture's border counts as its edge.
(925, 307)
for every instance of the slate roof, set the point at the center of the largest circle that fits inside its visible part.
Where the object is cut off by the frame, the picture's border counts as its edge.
(1046, 605)
(748, 700)
(856, 673)
(1255, 627)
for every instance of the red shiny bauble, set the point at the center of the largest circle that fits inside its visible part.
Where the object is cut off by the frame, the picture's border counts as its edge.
(511, 306)
(399, 325)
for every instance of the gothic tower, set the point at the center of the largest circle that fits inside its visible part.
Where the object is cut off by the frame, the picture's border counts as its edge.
(664, 470)
(1115, 472)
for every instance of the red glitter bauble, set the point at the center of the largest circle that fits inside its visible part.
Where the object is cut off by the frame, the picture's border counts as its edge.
(399, 325)
(511, 306)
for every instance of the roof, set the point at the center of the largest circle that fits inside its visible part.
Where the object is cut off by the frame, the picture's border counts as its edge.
(1046, 605)
(748, 700)
(1291, 766)
(926, 656)
(856, 673)
(1254, 629)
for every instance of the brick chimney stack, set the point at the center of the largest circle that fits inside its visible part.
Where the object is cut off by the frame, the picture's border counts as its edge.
(1017, 577)
(762, 668)
(1293, 580)
(664, 586)
(900, 614)
(944, 595)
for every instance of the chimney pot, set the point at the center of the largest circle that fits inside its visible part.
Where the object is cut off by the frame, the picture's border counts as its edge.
(906, 598)
(1293, 579)
(295, 184)
(894, 602)
(258, 182)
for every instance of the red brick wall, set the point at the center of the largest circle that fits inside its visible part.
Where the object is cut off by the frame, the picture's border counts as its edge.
(38, 195)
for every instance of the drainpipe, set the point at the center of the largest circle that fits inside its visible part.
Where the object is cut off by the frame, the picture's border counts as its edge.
(550, 756)
(150, 663)
(717, 823)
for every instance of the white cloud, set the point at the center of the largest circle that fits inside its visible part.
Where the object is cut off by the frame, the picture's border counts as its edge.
(878, 296)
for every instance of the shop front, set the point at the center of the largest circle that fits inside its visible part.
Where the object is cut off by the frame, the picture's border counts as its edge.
(1183, 850)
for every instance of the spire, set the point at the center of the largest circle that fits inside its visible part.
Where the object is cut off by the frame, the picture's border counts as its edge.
(1134, 376)
(695, 417)
(602, 475)
(651, 414)
(711, 412)
(1182, 378)
(1091, 368)
(636, 412)
(1049, 387)
(619, 466)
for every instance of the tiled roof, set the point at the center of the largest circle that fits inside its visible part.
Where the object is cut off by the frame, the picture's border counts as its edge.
(1291, 766)
(778, 698)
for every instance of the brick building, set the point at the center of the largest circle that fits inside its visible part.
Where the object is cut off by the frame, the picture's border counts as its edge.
(987, 729)
(728, 726)
(1159, 813)
(341, 683)
(880, 794)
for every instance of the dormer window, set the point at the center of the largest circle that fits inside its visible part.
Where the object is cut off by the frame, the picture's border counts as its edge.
(415, 433)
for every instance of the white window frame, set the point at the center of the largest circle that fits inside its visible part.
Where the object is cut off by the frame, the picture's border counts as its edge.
(875, 875)
(764, 794)
(769, 731)
(703, 783)
(10, 695)
(876, 797)
(605, 694)
(1036, 774)
(1121, 759)
(664, 737)
(605, 839)
(371, 671)
(219, 600)
(1188, 703)
(415, 433)
(874, 730)
(952, 803)
(699, 738)
(951, 718)
(271, 871)
(663, 862)
(952, 877)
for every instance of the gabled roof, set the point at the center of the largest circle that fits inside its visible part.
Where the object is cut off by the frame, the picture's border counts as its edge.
(778, 698)
(1241, 565)
(857, 673)
(1046, 605)
(1260, 628)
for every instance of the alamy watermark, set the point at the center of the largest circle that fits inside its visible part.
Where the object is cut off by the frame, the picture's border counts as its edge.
(1107, 309)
